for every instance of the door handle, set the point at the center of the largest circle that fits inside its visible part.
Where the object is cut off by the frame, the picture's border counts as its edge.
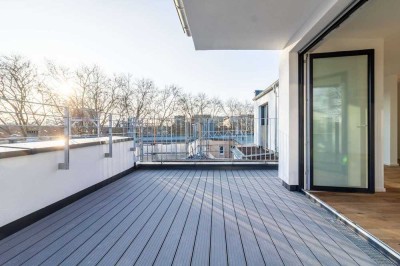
(362, 125)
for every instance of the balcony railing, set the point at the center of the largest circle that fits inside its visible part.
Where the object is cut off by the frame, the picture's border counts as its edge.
(179, 139)
(220, 139)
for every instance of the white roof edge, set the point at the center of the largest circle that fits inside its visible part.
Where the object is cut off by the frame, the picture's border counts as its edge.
(180, 9)
(267, 90)
(207, 24)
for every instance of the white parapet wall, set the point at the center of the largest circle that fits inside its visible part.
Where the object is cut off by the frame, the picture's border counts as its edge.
(31, 182)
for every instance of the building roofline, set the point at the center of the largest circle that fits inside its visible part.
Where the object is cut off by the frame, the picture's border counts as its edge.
(267, 90)
(180, 9)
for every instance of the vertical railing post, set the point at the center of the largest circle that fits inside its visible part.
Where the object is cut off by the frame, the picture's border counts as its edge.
(98, 126)
(110, 143)
(186, 124)
(65, 164)
(141, 141)
(132, 132)
(199, 132)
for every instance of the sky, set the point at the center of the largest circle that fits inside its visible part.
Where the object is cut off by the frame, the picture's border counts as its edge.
(140, 37)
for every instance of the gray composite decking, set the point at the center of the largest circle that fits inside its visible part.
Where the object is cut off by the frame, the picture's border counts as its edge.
(183, 217)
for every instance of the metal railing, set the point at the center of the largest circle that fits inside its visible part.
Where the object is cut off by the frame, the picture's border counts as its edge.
(30, 125)
(182, 139)
(239, 138)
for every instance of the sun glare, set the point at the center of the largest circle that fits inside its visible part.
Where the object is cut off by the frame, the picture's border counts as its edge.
(64, 89)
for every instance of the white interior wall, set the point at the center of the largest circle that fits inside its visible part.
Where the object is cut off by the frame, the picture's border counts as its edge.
(392, 71)
(390, 121)
(398, 118)
(337, 44)
(32, 182)
(392, 75)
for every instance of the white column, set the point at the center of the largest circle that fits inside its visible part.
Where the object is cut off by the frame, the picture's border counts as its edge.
(288, 118)
(390, 121)
(256, 123)
(398, 118)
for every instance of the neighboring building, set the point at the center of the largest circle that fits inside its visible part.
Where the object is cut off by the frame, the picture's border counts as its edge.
(179, 126)
(266, 118)
(338, 81)
(14, 133)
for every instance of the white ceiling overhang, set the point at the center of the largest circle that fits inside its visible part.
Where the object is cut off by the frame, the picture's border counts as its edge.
(256, 24)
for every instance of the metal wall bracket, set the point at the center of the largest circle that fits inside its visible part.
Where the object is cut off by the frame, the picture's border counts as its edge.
(110, 142)
(65, 164)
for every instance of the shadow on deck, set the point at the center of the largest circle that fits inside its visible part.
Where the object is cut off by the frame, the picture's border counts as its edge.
(182, 217)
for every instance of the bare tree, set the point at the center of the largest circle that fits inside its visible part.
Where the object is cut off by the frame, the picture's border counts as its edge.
(216, 107)
(232, 107)
(55, 77)
(202, 103)
(187, 105)
(126, 99)
(94, 94)
(29, 97)
(143, 97)
(165, 103)
(22, 94)
(245, 118)
(245, 108)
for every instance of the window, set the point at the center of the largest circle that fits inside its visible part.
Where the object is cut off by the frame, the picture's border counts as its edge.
(221, 149)
(264, 114)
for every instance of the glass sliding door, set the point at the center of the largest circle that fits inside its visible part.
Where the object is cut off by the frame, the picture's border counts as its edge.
(341, 117)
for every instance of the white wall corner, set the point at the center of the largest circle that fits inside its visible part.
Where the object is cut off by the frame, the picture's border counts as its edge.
(288, 117)
(398, 118)
(380, 189)
(390, 153)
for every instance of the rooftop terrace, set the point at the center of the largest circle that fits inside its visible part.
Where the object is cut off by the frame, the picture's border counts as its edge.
(182, 217)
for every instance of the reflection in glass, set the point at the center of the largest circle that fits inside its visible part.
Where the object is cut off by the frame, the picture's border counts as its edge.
(340, 115)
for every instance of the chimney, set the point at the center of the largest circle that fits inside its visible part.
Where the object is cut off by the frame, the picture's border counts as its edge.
(256, 92)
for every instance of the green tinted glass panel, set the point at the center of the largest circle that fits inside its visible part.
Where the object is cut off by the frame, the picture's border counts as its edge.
(340, 121)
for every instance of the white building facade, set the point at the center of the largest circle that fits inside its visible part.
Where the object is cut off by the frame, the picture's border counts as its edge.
(266, 117)
(338, 81)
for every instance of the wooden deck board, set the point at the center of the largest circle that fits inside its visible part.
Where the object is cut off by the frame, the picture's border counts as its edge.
(144, 225)
(201, 251)
(234, 244)
(63, 228)
(251, 247)
(169, 246)
(129, 227)
(280, 212)
(153, 245)
(313, 233)
(218, 242)
(66, 213)
(279, 239)
(90, 245)
(184, 251)
(182, 217)
(64, 246)
(156, 228)
(265, 243)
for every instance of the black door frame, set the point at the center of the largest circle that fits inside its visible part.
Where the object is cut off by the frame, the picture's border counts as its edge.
(343, 16)
(370, 53)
